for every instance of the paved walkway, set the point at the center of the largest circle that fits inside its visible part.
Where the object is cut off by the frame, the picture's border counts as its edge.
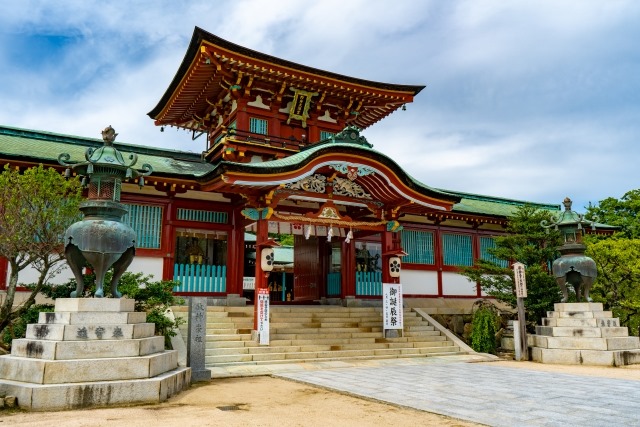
(482, 393)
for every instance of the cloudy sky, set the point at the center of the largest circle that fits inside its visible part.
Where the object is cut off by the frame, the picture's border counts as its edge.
(533, 100)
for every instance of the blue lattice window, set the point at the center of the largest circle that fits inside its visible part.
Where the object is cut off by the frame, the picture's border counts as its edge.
(457, 250)
(258, 126)
(325, 135)
(490, 243)
(146, 221)
(419, 247)
(202, 216)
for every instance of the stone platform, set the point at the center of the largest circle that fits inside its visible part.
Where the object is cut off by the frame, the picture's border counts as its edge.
(584, 334)
(90, 353)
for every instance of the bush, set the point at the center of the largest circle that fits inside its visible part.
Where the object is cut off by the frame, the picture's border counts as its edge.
(483, 329)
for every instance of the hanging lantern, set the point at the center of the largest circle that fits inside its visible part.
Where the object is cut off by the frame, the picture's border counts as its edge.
(267, 259)
(394, 266)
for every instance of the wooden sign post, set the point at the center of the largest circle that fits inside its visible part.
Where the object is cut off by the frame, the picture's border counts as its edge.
(521, 294)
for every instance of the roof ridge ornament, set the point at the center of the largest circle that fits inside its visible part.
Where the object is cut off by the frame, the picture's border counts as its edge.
(351, 134)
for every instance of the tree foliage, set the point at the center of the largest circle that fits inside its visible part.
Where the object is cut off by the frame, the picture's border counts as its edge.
(484, 326)
(618, 282)
(36, 207)
(528, 243)
(623, 212)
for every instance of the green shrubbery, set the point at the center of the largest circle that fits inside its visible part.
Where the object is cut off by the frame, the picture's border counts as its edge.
(485, 324)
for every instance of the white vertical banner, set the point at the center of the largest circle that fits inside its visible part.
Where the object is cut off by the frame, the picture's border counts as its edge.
(263, 316)
(392, 306)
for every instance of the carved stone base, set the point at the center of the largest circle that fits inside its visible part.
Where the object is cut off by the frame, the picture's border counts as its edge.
(91, 353)
(583, 334)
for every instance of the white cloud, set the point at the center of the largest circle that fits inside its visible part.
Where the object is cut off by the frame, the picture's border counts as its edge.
(529, 100)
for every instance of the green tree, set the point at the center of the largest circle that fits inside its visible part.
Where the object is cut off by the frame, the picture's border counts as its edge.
(36, 207)
(623, 212)
(618, 262)
(528, 243)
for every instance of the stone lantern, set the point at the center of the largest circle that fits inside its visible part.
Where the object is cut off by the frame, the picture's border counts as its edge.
(101, 238)
(573, 266)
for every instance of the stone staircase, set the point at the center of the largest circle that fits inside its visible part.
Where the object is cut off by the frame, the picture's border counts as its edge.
(316, 333)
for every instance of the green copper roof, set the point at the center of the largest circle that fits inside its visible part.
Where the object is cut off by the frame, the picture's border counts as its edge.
(339, 143)
(29, 145)
(494, 206)
(37, 146)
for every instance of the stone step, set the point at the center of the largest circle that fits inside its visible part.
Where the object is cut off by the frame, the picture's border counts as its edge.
(314, 347)
(331, 359)
(38, 371)
(585, 357)
(572, 343)
(222, 325)
(230, 337)
(578, 307)
(229, 331)
(587, 332)
(92, 349)
(579, 314)
(58, 397)
(93, 318)
(276, 331)
(70, 332)
(323, 309)
(584, 322)
(322, 335)
(329, 354)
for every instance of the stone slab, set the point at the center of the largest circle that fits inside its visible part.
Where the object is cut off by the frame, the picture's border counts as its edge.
(578, 306)
(55, 397)
(94, 304)
(91, 349)
(80, 332)
(160, 365)
(572, 357)
(90, 318)
(558, 321)
(627, 357)
(573, 343)
(40, 371)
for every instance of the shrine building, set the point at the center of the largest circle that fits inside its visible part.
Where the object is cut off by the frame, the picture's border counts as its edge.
(285, 156)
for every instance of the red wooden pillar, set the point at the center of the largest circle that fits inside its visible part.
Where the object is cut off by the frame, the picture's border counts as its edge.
(390, 247)
(168, 241)
(235, 254)
(439, 260)
(475, 245)
(348, 270)
(261, 282)
(4, 268)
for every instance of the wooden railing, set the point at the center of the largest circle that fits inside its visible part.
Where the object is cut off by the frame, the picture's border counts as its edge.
(200, 278)
(368, 283)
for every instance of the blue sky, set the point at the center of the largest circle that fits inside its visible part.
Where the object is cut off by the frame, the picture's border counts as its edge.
(533, 100)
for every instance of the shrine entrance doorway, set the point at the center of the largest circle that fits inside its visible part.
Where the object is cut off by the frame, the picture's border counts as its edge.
(307, 270)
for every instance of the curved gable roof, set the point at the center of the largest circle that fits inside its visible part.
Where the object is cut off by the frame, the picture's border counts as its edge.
(381, 177)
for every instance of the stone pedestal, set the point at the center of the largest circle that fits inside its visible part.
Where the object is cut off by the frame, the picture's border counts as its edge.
(584, 334)
(89, 353)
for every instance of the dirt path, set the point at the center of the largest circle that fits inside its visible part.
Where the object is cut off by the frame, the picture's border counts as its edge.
(262, 401)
